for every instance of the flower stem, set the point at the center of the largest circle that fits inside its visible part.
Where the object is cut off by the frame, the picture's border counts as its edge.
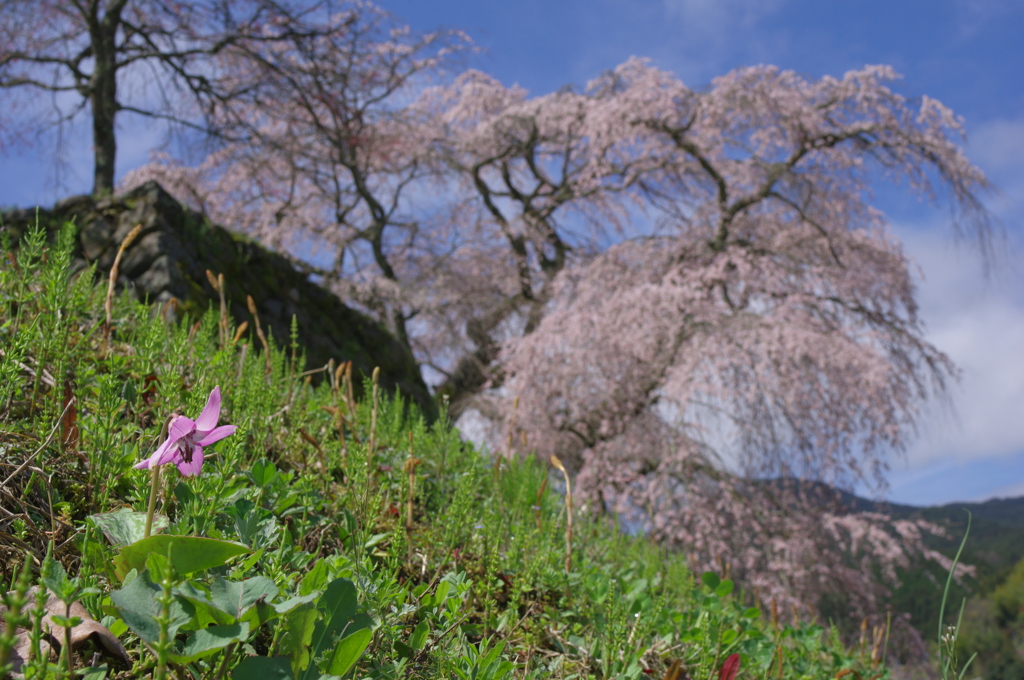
(154, 491)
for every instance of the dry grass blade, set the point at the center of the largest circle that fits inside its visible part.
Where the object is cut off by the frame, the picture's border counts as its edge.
(568, 512)
(108, 304)
(373, 414)
(223, 326)
(69, 421)
(169, 306)
(239, 332)
(673, 671)
(308, 438)
(259, 332)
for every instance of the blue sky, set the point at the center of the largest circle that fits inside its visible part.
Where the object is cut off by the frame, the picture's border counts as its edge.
(965, 53)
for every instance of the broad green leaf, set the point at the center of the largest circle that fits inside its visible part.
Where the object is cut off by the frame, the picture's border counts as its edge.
(710, 579)
(298, 632)
(724, 588)
(404, 650)
(125, 526)
(262, 473)
(338, 607)
(419, 635)
(374, 540)
(263, 668)
(207, 641)
(348, 651)
(752, 613)
(233, 601)
(729, 636)
(315, 579)
(137, 605)
(188, 553)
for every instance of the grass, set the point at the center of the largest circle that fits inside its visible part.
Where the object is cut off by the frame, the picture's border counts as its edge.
(327, 537)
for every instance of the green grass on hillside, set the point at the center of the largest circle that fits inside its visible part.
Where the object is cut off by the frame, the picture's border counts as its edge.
(325, 538)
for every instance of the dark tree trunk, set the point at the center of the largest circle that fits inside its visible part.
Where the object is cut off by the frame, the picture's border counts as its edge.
(104, 107)
(103, 94)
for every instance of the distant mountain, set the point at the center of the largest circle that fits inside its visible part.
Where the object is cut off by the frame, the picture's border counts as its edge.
(996, 542)
(994, 547)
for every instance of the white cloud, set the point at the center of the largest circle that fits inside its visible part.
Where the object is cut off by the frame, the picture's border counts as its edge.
(972, 16)
(979, 322)
(711, 37)
(717, 15)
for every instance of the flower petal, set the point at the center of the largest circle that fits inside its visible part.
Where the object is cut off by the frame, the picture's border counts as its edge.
(193, 467)
(207, 420)
(180, 427)
(160, 456)
(217, 434)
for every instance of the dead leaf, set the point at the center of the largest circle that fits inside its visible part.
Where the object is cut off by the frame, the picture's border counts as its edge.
(88, 629)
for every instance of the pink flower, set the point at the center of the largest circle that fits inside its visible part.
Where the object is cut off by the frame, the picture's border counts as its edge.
(186, 439)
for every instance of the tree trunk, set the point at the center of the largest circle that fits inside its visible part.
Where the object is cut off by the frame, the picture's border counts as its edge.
(103, 97)
(104, 107)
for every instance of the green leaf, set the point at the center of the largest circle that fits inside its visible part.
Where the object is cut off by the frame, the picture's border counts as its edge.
(374, 540)
(188, 553)
(65, 621)
(298, 633)
(487, 666)
(752, 613)
(263, 668)
(348, 651)
(207, 641)
(710, 579)
(262, 473)
(729, 636)
(419, 635)
(286, 606)
(125, 526)
(137, 605)
(116, 626)
(338, 606)
(724, 588)
(247, 564)
(315, 579)
(53, 576)
(231, 601)
(94, 673)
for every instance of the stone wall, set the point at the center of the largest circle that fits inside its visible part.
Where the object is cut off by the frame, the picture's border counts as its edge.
(178, 245)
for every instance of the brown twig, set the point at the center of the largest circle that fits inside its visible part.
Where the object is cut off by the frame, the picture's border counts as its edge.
(308, 438)
(223, 327)
(259, 332)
